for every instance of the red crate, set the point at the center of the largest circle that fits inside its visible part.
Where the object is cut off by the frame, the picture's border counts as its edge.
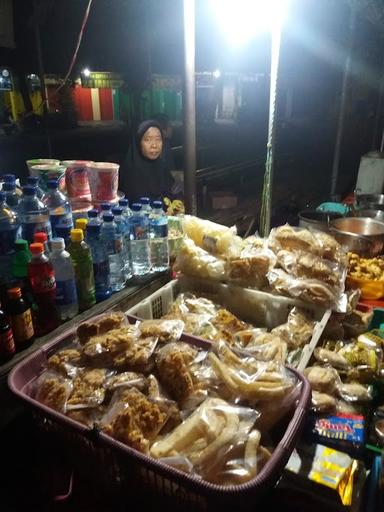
(119, 468)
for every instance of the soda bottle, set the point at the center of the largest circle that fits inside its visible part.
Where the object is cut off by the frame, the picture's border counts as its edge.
(9, 226)
(60, 211)
(145, 205)
(7, 342)
(11, 197)
(81, 224)
(159, 238)
(43, 284)
(41, 238)
(122, 228)
(139, 241)
(66, 294)
(112, 241)
(93, 218)
(34, 181)
(82, 262)
(34, 215)
(100, 262)
(19, 269)
(20, 315)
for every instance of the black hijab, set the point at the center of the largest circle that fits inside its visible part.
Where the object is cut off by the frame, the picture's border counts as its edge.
(140, 176)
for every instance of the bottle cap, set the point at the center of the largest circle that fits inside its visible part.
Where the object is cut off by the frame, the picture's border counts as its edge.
(28, 190)
(105, 206)
(9, 186)
(33, 181)
(14, 293)
(157, 204)
(108, 217)
(77, 235)
(136, 207)
(57, 244)
(52, 184)
(21, 245)
(124, 203)
(92, 214)
(9, 178)
(36, 248)
(40, 237)
(117, 210)
(81, 223)
(93, 228)
(144, 200)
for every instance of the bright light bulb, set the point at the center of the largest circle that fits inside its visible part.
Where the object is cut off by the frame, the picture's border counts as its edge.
(86, 72)
(242, 20)
(217, 73)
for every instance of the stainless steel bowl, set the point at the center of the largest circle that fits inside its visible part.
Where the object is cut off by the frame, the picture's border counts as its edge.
(317, 220)
(370, 201)
(362, 235)
(373, 214)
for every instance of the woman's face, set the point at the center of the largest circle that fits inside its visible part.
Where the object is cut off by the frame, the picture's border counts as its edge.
(151, 143)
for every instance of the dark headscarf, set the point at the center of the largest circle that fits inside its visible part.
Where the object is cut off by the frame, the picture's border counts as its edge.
(140, 176)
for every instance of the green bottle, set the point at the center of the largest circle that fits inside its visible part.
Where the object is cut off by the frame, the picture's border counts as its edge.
(19, 268)
(83, 265)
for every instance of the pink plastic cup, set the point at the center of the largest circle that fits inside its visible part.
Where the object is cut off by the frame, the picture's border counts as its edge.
(103, 180)
(76, 179)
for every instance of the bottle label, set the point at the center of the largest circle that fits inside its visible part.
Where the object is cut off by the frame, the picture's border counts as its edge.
(43, 284)
(7, 241)
(22, 326)
(7, 343)
(66, 292)
(61, 221)
(101, 273)
(30, 228)
(159, 230)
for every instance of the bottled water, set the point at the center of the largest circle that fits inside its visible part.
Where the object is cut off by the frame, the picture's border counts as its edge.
(9, 226)
(112, 242)
(123, 230)
(33, 215)
(158, 222)
(60, 211)
(139, 235)
(145, 205)
(9, 178)
(66, 294)
(105, 208)
(100, 261)
(11, 197)
(33, 181)
(124, 204)
(93, 218)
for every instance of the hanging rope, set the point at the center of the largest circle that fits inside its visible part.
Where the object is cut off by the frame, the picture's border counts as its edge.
(266, 200)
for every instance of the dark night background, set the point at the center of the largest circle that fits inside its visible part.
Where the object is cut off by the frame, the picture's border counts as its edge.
(139, 37)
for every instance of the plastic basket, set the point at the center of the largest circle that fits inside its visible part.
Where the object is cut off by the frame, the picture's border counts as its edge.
(119, 468)
(261, 308)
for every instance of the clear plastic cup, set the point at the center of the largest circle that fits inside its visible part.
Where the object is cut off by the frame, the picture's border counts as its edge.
(76, 179)
(103, 180)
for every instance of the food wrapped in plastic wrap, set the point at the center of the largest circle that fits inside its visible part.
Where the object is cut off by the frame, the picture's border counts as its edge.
(323, 379)
(250, 267)
(126, 380)
(355, 392)
(65, 362)
(323, 403)
(298, 330)
(101, 349)
(164, 330)
(100, 326)
(53, 390)
(210, 236)
(335, 359)
(194, 261)
(88, 389)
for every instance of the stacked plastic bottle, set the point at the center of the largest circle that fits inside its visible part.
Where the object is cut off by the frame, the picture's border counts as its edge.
(158, 222)
(112, 241)
(33, 215)
(9, 226)
(66, 294)
(99, 258)
(139, 241)
(60, 212)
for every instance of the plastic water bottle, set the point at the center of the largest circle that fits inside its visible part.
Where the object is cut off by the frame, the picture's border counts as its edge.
(139, 235)
(33, 215)
(34, 181)
(93, 218)
(123, 231)
(43, 283)
(105, 208)
(100, 261)
(11, 197)
(65, 233)
(83, 265)
(145, 205)
(124, 204)
(9, 178)
(9, 226)
(158, 222)
(113, 245)
(66, 294)
(60, 211)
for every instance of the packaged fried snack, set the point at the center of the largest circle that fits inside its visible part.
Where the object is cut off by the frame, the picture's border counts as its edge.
(298, 330)
(88, 389)
(323, 403)
(102, 325)
(53, 390)
(250, 267)
(65, 362)
(335, 359)
(126, 380)
(323, 379)
(164, 330)
(194, 261)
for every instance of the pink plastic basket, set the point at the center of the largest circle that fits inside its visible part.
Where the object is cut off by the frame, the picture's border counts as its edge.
(117, 467)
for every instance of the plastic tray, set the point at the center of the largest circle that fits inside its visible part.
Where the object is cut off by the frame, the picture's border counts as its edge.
(261, 308)
(118, 467)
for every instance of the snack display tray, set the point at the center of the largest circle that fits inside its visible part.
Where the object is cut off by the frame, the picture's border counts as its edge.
(118, 468)
(260, 308)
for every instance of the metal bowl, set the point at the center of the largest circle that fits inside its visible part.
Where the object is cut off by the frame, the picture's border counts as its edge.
(373, 214)
(361, 235)
(370, 201)
(317, 220)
